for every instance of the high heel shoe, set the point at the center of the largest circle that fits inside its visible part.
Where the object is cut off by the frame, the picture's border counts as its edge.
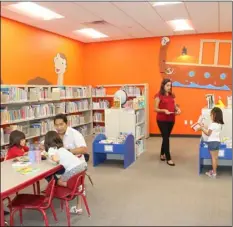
(171, 164)
(162, 159)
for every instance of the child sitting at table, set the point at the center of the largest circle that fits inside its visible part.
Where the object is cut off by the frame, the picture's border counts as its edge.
(73, 165)
(17, 146)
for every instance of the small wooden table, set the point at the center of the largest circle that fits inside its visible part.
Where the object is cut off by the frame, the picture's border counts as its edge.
(13, 181)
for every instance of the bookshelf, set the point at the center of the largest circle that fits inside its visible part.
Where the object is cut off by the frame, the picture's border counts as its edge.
(31, 109)
(102, 99)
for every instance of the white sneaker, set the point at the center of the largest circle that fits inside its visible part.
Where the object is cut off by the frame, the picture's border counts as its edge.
(211, 174)
(74, 210)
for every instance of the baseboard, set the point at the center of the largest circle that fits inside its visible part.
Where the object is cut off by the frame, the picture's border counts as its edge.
(177, 135)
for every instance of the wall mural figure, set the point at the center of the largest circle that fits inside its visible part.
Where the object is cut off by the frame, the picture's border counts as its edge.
(60, 62)
(38, 81)
(193, 75)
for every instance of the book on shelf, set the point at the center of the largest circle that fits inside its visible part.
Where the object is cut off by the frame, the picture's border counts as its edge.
(99, 129)
(98, 117)
(13, 94)
(132, 90)
(101, 104)
(99, 91)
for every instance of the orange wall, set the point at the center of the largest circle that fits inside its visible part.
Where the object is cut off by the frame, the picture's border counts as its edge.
(137, 61)
(27, 52)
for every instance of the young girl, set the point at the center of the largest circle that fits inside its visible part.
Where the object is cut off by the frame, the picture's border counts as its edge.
(73, 165)
(17, 145)
(213, 133)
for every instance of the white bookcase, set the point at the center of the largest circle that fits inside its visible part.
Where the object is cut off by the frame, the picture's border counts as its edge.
(127, 121)
(31, 109)
(104, 94)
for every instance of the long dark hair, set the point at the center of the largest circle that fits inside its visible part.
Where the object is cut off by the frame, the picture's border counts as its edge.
(52, 139)
(217, 115)
(15, 137)
(162, 90)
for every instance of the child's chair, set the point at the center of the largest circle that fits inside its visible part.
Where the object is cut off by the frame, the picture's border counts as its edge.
(66, 194)
(33, 202)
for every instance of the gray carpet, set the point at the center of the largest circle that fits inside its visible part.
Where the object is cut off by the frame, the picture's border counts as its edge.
(152, 193)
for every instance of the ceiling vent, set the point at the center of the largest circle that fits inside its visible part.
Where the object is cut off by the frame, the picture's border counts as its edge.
(97, 22)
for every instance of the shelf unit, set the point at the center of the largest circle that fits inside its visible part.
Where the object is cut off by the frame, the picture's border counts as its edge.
(31, 108)
(102, 93)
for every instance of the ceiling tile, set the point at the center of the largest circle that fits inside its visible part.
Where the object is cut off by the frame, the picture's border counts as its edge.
(115, 16)
(172, 12)
(204, 16)
(144, 14)
(225, 11)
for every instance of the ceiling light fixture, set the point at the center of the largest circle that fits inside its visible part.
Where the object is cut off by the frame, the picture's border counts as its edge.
(90, 32)
(164, 3)
(180, 25)
(34, 10)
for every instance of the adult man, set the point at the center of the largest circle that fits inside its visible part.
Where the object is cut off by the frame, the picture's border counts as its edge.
(72, 141)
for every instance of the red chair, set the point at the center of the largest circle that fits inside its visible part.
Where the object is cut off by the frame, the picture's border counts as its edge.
(66, 194)
(33, 202)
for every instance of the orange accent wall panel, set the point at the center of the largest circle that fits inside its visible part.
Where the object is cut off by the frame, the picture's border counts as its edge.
(224, 54)
(208, 53)
(28, 53)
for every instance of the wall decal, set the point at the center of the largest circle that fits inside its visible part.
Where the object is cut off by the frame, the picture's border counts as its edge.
(60, 62)
(194, 75)
(38, 81)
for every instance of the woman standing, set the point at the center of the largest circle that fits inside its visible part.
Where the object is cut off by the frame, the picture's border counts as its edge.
(166, 110)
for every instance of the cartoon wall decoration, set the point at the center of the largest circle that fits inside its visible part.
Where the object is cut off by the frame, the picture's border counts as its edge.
(60, 62)
(195, 75)
(38, 81)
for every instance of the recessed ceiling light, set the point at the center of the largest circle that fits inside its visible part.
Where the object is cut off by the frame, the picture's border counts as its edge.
(34, 10)
(180, 25)
(164, 3)
(90, 32)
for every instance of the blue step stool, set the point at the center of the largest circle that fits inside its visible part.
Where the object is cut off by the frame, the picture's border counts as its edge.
(100, 151)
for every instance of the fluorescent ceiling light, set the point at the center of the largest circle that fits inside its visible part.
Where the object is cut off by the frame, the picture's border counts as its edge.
(90, 32)
(34, 10)
(164, 3)
(180, 25)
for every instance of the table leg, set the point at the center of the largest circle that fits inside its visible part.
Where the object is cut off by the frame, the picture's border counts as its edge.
(38, 187)
(2, 213)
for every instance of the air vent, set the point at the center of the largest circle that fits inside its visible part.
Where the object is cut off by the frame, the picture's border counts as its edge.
(97, 22)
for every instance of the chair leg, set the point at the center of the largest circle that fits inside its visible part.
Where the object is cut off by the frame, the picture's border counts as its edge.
(44, 217)
(21, 216)
(67, 212)
(12, 216)
(62, 203)
(53, 211)
(86, 205)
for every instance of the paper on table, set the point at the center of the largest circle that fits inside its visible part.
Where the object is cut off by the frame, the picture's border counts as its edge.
(21, 164)
(27, 170)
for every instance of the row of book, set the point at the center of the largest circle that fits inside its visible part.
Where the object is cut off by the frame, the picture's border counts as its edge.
(30, 130)
(99, 129)
(75, 120)
(132, 90)
(99, 91)
(98, 117)
(30, 112)
(102, 104)
(77, 92)
(21, 113)
(83, 130)
(13, 94)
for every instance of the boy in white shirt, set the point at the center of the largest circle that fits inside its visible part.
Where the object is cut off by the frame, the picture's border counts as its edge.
(213, 132)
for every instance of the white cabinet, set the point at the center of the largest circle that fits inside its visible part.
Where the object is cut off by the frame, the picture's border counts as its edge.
(126, 121)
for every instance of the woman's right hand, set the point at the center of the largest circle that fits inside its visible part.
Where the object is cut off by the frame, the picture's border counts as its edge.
(167, 112)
